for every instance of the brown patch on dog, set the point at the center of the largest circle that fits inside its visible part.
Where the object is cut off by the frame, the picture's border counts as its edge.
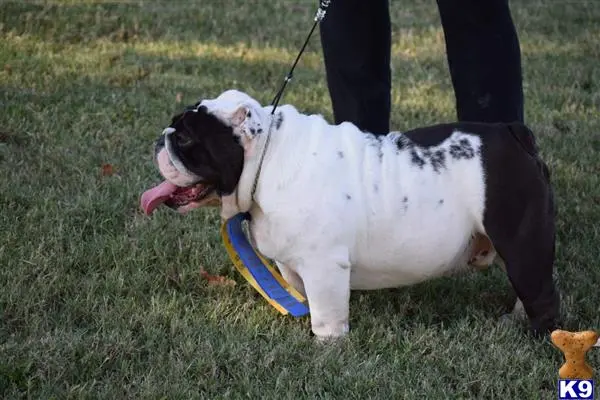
(481, 247)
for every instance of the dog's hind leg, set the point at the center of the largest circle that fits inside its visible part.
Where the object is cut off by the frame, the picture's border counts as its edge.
(523, 233)
(518, 311)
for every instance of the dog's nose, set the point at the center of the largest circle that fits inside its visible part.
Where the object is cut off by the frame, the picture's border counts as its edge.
(160, 144)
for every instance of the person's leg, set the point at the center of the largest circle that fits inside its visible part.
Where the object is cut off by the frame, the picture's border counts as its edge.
(356, 41)
(484, 58)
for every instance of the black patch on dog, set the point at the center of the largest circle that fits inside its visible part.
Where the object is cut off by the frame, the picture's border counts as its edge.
(380, 146)
(405, 203)
(519, 217)
(348, 197)
(416, 159)
(428, 136)
(376, 188)
(340, 154)
(375, 141)
(441, 201)
(207, 148)
(438, 160)
(462, 150)
(193, 107)
(260, 131)
(253, 131)
(403, 142)
(278, 120)
(249, 114)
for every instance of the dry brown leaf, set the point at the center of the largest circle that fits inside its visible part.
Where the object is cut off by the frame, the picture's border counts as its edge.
(108, 170)
(216, 279)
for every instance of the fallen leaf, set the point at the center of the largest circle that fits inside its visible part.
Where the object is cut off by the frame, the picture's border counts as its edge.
(7, 69)
(178, 97)
(216, 279)
(108, 170)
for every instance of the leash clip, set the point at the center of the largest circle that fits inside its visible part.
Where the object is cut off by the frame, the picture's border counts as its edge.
(322, 10)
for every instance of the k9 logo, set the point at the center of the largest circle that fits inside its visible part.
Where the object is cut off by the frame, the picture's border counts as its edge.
(576, 389)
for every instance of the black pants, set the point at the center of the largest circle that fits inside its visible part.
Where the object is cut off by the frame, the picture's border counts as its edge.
(482, 48)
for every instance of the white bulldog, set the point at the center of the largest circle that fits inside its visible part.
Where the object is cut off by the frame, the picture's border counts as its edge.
(341, 209)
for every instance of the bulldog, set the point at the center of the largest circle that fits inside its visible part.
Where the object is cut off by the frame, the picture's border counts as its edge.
(338, 209)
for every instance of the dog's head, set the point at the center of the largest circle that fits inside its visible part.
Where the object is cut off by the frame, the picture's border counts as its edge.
(201, 153)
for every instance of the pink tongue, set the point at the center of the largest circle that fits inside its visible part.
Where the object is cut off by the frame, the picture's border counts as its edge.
(154, 197)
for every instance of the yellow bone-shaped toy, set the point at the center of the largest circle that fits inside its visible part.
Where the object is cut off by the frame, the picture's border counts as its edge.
(574, 345)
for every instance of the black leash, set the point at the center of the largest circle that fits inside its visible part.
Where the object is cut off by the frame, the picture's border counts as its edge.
(323, 5)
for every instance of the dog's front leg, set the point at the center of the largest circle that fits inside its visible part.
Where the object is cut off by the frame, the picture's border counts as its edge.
(327, 285)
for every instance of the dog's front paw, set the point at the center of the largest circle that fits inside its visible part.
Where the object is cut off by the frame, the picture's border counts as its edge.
(330, 331)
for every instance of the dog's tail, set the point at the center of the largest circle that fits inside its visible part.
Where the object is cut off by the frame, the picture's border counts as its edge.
(524, 136)
(526, 139)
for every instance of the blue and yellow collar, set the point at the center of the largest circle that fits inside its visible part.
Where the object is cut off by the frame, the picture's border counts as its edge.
(258, 271)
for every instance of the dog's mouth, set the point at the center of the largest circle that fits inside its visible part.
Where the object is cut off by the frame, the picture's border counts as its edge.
(179, 198)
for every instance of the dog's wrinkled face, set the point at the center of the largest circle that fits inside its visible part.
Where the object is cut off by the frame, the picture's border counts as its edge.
(201, 154)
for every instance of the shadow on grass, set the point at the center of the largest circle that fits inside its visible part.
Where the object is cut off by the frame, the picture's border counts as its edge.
(440, 301)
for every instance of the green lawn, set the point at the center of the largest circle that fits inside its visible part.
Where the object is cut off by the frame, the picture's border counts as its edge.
(99, 301)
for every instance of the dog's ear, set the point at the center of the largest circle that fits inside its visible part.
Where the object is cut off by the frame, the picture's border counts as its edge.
(246, 122)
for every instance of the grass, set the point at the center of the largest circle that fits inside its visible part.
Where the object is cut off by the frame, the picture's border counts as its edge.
(99, 301)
